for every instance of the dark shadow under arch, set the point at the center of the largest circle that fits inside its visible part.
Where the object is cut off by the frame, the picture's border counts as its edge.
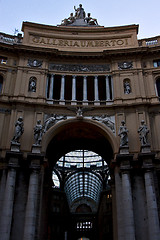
(78, 135)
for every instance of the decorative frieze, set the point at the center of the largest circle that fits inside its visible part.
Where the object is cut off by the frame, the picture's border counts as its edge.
(79, 67)
(52, 119)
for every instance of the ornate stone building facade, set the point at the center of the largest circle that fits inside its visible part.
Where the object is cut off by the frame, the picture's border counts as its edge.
(80, 135)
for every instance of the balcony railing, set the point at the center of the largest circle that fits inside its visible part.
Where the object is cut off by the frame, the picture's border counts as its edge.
(149, 42)
(10, 39)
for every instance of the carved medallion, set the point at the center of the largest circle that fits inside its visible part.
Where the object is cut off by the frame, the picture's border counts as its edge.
(34, 63)
(125, 65)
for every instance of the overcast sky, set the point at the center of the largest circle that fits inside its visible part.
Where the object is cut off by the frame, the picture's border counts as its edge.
(111, 13)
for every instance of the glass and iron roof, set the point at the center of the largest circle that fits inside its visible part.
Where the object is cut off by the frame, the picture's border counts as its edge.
(81, 159)
(84, 171)
(83, 184)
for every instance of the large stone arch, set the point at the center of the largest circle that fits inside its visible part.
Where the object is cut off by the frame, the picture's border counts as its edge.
(63, 137)
(74, 133)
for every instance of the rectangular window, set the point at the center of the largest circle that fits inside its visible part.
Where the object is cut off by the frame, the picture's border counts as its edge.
(3, 60)
(156, 63)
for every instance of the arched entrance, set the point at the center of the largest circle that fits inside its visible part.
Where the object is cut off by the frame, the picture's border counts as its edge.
(81, 207)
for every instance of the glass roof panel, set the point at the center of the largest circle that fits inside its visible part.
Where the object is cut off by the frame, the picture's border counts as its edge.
(82, 179)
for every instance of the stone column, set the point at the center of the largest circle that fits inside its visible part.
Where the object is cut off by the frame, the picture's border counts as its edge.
(129, 228)
(2, 188)
(31, 208)
(47, 85)
(112, 89)
(74, 89)
(8, 200)
(96, 93)
(152, 209)
(51, 87)
(62, 90)
(153, 220)
(85, 89)
(108, 97)
(140, 205)
(119, 205)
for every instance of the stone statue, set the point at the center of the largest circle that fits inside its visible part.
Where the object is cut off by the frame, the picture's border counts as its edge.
(80, 13)
(18, 130)
(143, 132)
(69, 20)
(79, 18)
(123, 133)
(127, 88)
(38, 132)
(90, 20)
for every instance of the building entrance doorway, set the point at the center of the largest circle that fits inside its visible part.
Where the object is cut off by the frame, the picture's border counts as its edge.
(79, 192)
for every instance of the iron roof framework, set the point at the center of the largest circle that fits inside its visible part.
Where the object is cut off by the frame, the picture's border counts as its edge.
(83, 174)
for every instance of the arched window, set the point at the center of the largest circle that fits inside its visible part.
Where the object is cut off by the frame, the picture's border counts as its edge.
(1, 83)
(158, 86)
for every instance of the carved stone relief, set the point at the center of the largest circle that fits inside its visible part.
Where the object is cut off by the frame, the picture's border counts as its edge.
(107, 120)
(34, 63)
(52, 119)
(79, 67)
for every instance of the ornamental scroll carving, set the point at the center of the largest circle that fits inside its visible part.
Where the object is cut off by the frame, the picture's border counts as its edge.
(79, 68)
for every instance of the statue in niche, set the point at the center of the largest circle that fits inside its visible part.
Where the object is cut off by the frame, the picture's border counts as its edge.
(32, 84)
(38, 132)
(90, 20)
(143, 132)
(53, 120)
(127, 88)
(123, 133)
(80, 13)
(18, 130)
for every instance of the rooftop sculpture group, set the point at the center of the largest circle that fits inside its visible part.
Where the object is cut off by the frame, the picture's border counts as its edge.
(79, 16)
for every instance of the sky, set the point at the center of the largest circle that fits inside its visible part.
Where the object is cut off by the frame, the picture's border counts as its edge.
(111, 13)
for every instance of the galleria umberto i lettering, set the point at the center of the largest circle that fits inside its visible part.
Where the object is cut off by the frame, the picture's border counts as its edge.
(80, 135)
(79, 44)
